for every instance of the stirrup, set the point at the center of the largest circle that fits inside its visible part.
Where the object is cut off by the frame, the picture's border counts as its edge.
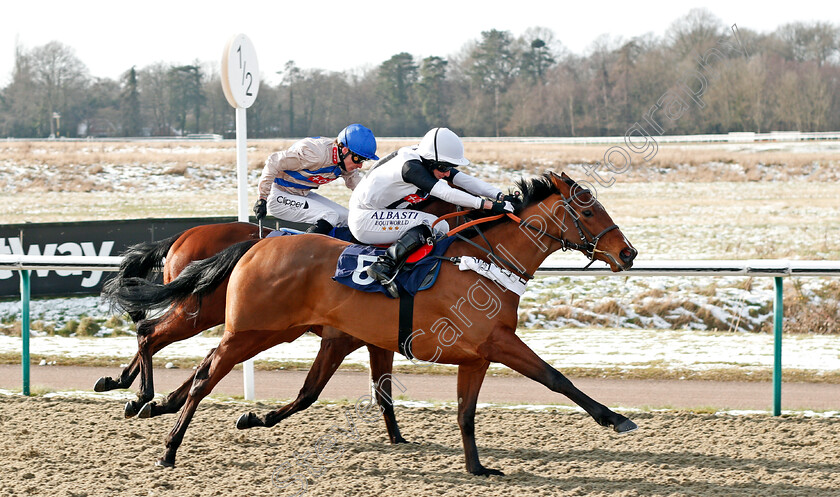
(388, 284)
(392, 289)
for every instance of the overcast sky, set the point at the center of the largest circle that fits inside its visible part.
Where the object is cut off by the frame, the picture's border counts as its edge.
(111, 36)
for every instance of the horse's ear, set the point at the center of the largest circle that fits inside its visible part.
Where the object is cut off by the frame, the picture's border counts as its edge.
(563, 180)
(569, 181)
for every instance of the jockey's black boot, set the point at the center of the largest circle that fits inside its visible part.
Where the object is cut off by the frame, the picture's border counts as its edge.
(322, 226)
(385, 269)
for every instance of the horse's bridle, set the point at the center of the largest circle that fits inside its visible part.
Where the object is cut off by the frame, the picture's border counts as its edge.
(589, 245)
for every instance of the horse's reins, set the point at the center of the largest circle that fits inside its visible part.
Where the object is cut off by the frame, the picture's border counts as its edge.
(588, 247)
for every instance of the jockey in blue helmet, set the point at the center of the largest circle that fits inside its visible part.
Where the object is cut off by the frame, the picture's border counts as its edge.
(289, 178)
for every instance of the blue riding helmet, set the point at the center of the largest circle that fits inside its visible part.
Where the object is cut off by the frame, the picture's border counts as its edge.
(359, 140)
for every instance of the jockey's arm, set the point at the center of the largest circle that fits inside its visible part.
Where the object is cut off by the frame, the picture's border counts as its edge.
(298, 156)
(273, 166)
(474, 185)
(413, 172)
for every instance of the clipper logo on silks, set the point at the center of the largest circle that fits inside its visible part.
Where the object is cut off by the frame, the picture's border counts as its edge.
(292, 203)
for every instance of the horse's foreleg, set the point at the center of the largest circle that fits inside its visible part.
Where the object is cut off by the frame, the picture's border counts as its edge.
(381, 367)
(470, 377)
(329, 358)
(505, 347)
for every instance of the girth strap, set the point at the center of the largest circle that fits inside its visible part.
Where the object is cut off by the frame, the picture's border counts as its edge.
(406, 322)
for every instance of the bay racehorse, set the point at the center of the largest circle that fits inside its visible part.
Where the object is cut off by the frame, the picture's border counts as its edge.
(185, 320)
(281, 287)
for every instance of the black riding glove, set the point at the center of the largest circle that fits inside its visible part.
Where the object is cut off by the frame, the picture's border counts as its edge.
(501, 207)
(260, 209)
(514, 198)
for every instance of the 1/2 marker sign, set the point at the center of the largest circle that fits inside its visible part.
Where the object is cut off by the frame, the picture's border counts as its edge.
(240, 72)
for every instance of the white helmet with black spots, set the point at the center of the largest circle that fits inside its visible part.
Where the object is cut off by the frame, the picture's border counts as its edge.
(442, 145)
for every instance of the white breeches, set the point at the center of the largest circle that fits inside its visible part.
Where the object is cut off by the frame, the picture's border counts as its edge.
(309, 209)
(386, 225)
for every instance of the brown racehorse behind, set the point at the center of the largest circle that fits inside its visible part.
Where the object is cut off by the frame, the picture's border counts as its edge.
(281, 287)
(184, 321)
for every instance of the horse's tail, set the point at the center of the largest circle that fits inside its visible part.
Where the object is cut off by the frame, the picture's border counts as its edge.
(138, 262)
(198, 279)
(141, 259)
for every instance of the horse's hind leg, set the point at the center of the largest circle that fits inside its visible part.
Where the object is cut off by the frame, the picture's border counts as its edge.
(332, 352)
(233, 349)
(125, 379)
(505, 347)
(381, 367)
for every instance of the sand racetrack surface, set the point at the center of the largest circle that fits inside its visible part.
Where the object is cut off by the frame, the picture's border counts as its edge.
(84, 447)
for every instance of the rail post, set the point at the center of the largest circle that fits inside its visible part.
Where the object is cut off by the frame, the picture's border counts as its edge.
(24, 327)
(778, 314)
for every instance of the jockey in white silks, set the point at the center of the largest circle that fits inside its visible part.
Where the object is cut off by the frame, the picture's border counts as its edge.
(378, 206)
(289, 178)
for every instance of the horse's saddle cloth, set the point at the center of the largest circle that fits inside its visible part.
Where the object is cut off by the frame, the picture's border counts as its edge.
(342, 233)
(412, 278)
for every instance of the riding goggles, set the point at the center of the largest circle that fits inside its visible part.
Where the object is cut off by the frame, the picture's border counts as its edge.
(442, 166)
(357, 159)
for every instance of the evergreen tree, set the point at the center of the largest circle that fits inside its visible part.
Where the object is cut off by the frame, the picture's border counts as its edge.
(130, 104)
(431, 92)
(397, 77)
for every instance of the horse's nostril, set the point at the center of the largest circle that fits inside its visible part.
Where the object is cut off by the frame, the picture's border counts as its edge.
(628, 254)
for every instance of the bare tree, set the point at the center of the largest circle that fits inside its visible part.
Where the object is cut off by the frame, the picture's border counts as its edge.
(60, 78)
(19, 110)
(153, 82)
(818, 41)
(695, 32)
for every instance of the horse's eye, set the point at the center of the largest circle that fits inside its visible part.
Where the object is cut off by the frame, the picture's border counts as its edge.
(587, 213)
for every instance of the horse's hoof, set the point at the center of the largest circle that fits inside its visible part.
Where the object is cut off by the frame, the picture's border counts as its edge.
(482, 471)
(102, 384)
(130, 409)
(244, 421)
(625, 426)
(163, 463)
(400, 440)
(145, 411)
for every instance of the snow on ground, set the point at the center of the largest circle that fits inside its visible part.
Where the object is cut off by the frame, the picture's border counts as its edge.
(562, 348)
(624, 339)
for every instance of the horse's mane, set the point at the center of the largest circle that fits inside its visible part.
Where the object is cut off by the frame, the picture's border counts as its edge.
(533, 190)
